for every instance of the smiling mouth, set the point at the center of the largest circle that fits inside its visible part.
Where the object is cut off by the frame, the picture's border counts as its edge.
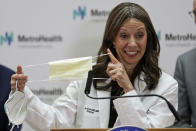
(131, 53)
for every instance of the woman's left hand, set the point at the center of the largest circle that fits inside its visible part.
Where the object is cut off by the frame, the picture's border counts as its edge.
(116, 71)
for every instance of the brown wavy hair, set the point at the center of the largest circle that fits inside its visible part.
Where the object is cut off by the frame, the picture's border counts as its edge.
(149, 62)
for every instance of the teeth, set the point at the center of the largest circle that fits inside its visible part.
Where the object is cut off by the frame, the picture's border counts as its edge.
(131, 53)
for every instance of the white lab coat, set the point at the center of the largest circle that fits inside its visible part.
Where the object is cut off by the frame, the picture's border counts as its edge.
(75, 110)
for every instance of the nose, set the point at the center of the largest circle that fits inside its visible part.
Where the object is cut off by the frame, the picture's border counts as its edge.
(132, 42)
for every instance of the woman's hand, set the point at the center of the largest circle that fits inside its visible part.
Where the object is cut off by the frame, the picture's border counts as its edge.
(18, 80)
(117, 72)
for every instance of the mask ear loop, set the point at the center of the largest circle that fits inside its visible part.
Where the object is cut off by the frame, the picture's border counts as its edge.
(13, 125)
(16, 85)
(100, 55)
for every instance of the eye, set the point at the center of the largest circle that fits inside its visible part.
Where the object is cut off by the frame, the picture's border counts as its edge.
(139, 35)
(123, 36)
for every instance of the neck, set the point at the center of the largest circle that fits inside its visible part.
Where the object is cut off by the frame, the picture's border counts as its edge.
(129, 68)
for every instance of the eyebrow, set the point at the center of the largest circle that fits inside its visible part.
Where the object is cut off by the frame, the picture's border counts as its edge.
(139, 28)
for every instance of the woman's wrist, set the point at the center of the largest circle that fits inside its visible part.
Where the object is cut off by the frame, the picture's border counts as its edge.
(128, 88)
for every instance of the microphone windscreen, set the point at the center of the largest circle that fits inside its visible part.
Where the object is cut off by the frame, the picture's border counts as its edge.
(89, 82)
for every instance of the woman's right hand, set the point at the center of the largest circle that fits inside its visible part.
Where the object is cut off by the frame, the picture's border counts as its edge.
(116, 71)
(18, 78)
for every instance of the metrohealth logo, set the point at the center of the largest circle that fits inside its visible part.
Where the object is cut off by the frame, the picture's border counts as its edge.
(6, 38)
(80, 12)
(159, 35)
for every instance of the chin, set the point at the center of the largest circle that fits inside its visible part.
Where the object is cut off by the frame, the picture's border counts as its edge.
(132, 62)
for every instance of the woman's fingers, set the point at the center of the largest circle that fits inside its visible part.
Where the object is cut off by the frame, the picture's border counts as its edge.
(22, 79)
(110, 67)
(18, 80)
(117, 72)
(112, 57)
(19, 70)
(114, 71)
(113, 66)
(13, 82)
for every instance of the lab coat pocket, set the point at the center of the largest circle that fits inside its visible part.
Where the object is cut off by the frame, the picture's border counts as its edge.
(91, 116)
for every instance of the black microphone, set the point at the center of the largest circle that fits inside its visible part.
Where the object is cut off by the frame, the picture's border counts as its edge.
(88, 87)
(89, 82)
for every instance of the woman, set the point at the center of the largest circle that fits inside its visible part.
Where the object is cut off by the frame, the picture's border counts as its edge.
(131, 68)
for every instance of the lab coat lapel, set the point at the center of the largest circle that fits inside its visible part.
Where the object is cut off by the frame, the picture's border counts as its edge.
(104, 108)
(139, 84)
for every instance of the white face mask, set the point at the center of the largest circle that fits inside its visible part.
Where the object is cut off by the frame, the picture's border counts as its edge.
(15, 109)
(76, 68)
